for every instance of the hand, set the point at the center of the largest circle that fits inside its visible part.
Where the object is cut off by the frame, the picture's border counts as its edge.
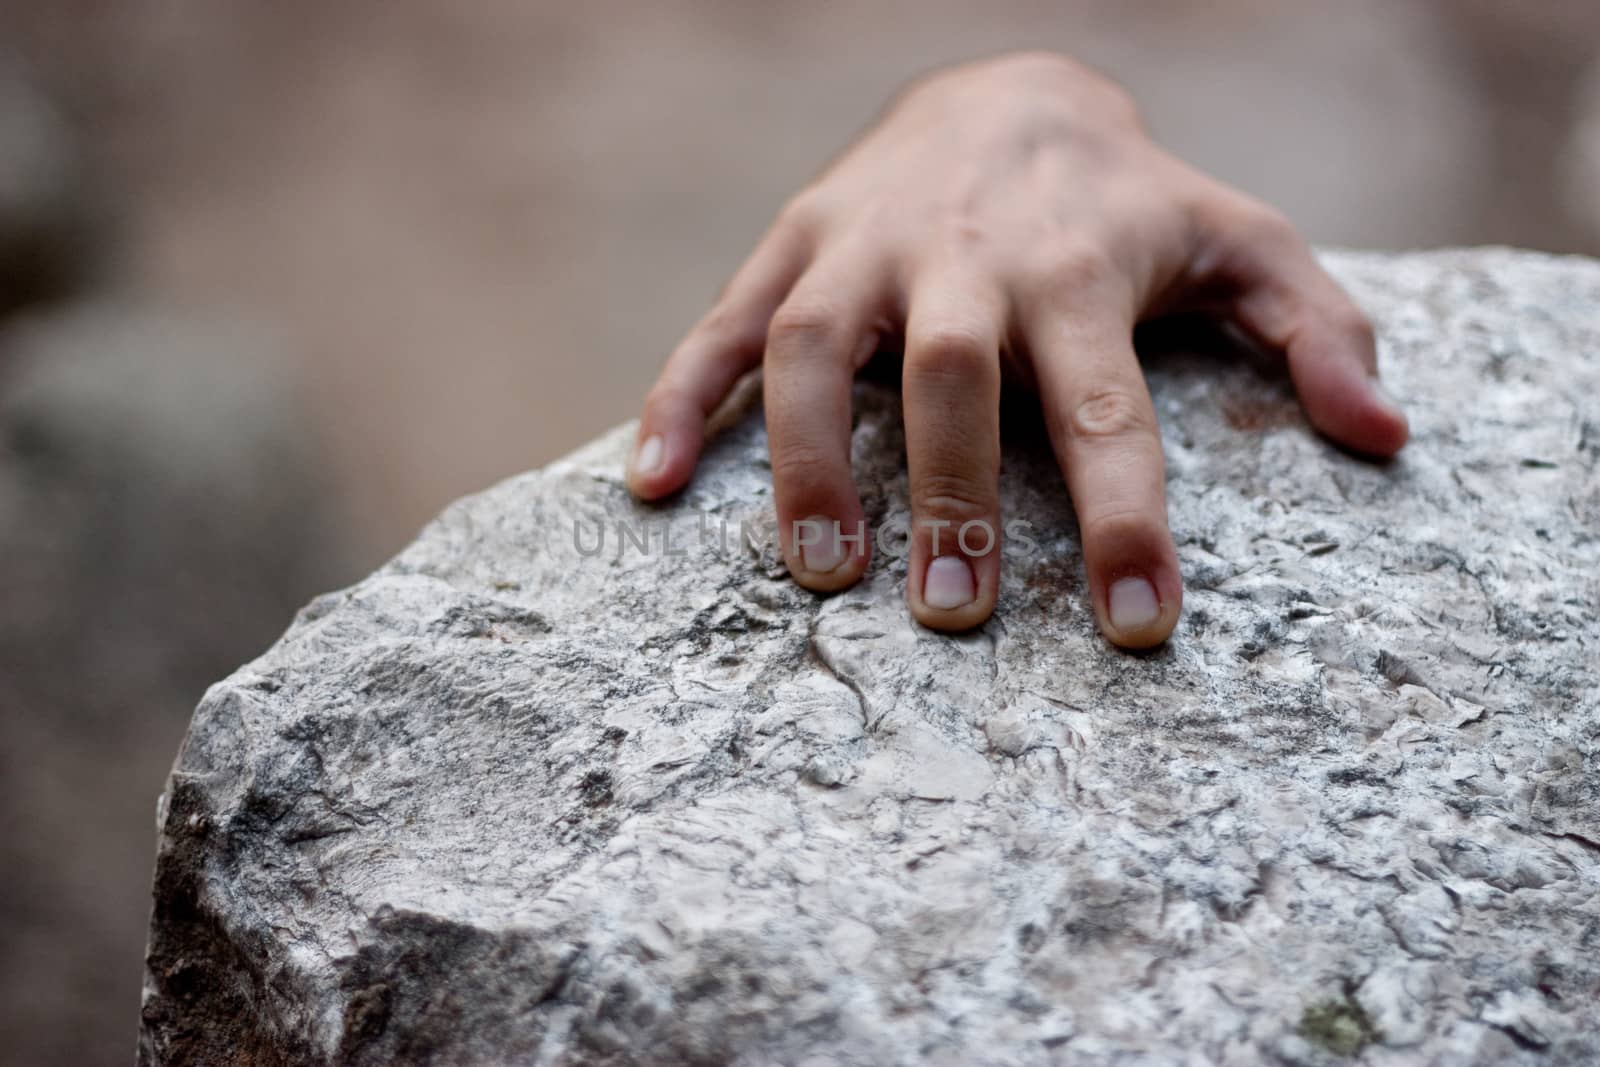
(1006, 216)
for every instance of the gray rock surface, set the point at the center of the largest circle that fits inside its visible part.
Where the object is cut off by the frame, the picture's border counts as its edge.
(505, 802)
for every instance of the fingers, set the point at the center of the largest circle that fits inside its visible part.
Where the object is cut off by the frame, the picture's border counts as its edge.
(812, 349)
(951, 386)
(1104, 431)
(721, 347)
(1288, 302)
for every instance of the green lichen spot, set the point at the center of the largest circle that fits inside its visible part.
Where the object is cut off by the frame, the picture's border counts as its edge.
(1341, 1026)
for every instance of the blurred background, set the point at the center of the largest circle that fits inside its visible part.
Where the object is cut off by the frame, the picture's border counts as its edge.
(279, 280)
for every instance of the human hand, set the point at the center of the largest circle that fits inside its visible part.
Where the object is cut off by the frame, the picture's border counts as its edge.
(1009, 216)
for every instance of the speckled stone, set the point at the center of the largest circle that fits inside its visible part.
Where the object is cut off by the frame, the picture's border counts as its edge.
(507, 801)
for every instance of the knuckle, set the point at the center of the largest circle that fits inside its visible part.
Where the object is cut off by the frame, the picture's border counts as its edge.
(801, 213)
(1121, 104)
(1109, 413)
(957, 511)
(1046, 69)
(950, 350)
(1068, 273)
(1351, 322)
(799, 465)
(727, 329)
(665, 398)
(1063, 74)
(1269, 228)
(802, 327)
(1041, 63)
(954, 496)
(1123, 526)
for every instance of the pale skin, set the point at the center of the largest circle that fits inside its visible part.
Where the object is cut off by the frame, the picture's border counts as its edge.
(1008, 218)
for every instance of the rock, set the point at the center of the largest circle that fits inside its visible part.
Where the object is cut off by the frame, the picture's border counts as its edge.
(152, 463)
(510, 801)
(50, 224)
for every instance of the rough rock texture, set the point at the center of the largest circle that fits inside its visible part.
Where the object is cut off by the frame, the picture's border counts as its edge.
(506, 802)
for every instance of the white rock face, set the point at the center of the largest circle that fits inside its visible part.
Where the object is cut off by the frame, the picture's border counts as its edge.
(506, 802)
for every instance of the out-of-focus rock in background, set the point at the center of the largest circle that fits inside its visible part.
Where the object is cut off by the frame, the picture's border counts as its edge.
(161, 513)
(46, 212)
(460, 237)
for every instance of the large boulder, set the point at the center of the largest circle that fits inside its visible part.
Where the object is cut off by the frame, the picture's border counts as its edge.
(508, 801)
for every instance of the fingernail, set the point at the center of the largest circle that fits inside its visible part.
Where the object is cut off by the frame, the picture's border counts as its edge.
(948, 583)
(648, 457)
(822, 551)
(1134, 604)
